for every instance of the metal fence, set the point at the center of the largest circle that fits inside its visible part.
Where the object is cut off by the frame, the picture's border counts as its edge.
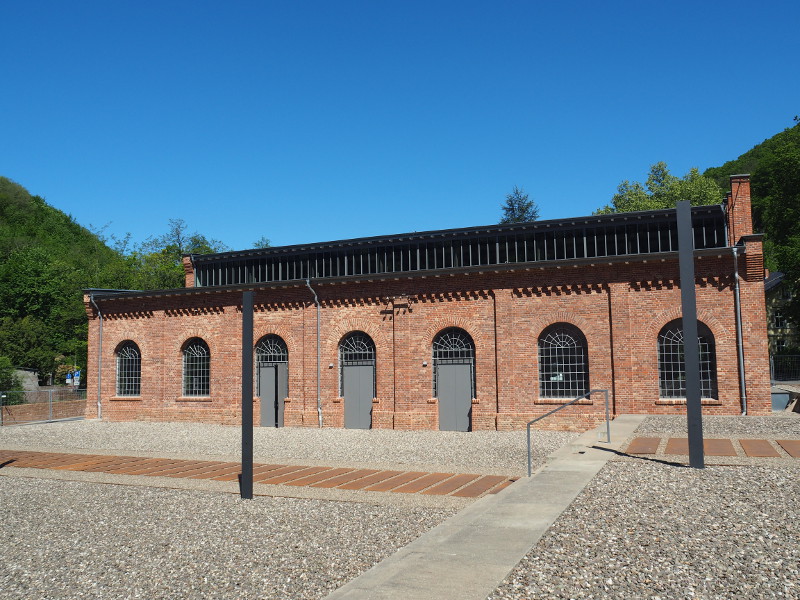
(41, 406)
(784, 367)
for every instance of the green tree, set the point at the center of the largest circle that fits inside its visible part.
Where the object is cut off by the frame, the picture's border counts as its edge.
(518, 208)
(158, 262)
(262, 242)
(47, 260)
(663, 190)
(8, 378)
(776, 184)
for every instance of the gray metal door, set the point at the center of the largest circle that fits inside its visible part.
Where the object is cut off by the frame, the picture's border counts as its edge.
(454, 386)
(274, 386)
(358, 386)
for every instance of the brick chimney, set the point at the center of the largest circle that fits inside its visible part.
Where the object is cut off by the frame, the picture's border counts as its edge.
(740, 213)
(188, 270)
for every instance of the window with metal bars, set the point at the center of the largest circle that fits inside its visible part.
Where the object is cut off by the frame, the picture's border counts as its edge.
(563, 362)
(671, 356)
(356, 349)
(270, 350)
(453, 346)
(129, 369)
(196, 368)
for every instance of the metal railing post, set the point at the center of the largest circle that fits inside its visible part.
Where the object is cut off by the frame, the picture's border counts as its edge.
(50, 401)
(555, 410)
(529, 449)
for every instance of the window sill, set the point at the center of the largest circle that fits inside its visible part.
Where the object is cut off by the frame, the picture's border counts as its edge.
(682, 402)
(125, 399)
(193, 399)
(560, 401)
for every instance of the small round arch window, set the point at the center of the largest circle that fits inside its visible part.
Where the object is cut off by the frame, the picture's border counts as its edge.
(357, 347)
(271, 349)
(563, 364)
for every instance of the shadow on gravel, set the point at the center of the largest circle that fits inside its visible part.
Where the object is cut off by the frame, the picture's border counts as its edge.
(644, 458)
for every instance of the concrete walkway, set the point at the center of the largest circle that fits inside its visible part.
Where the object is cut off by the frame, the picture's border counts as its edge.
(468, 555)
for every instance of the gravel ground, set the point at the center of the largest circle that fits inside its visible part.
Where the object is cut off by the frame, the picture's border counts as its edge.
(70, 539)
(640, 529)
(646, 529)
(490, 452)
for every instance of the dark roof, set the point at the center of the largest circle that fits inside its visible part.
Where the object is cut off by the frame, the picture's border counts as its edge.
(667, 214)
(775, 278)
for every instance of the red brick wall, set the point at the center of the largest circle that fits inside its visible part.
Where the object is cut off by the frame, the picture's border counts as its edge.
(620, 309)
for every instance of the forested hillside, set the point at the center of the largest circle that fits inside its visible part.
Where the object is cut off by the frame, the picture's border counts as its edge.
(47, 259)
(774, 166)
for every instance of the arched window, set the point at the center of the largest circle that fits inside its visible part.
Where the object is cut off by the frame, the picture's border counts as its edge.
(129, 369)
(453, 346)
(671, 368)
(271, 351)
(563, 362)
(196, 368)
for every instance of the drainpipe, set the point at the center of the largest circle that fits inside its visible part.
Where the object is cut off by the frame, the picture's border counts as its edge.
(99, 359)
(739, 342)
(319, 400)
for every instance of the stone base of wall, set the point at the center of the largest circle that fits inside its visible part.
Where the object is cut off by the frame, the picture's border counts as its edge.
(558, 422)
(422, 416)
(382, 419)
(484, 421)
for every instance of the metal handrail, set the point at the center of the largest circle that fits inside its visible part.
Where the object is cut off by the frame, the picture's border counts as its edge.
(586, 395)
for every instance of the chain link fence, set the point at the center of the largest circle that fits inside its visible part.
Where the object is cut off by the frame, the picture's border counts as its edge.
(41, 406)
(785, 367)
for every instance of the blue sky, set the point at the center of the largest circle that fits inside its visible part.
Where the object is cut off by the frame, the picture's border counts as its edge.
(312, 121)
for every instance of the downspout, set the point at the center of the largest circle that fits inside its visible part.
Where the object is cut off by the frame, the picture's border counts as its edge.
(99, 359)
(739, 342)
(319, 400)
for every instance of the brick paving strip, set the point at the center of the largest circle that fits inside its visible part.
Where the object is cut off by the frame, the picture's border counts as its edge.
(791, 446)
(450, 485)
(422, 483)
(413, 482)
(344, 478)
(322, 475)
(758, 448)
(644, 445)
(715, 447)
(360, 484)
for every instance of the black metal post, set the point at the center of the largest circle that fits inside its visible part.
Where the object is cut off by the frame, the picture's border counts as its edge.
(246, 477)
(694, 412)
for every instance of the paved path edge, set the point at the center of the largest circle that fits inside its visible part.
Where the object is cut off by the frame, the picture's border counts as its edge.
(471, 553)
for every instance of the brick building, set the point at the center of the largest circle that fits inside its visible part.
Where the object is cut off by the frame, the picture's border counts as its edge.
(476, 328)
